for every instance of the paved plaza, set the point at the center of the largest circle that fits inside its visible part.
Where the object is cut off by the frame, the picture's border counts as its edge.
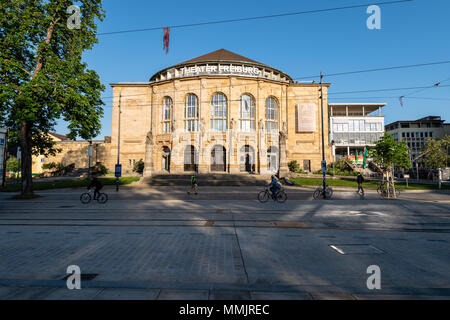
(160, 243)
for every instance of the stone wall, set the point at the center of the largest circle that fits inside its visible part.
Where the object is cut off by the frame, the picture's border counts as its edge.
(75, 152)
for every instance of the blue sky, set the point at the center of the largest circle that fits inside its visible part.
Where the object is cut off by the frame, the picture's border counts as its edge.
(302, 45)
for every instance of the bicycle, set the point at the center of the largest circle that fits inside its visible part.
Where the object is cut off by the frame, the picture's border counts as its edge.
(384, 192)
(318, 193)
(86, 197)
(266, 194)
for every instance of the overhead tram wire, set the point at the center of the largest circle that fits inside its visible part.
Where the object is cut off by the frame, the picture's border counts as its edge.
(312, 95)
(256, 18)
(375, 70)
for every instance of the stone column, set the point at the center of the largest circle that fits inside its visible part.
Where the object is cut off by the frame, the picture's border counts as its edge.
(148, 166)
(283, 163)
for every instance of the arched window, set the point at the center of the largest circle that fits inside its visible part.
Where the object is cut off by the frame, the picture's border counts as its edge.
(167, 113)
(191, 113)
(271, 114)
(218, 112)
(246, 113)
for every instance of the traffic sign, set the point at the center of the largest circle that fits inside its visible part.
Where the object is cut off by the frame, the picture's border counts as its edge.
(118, 170)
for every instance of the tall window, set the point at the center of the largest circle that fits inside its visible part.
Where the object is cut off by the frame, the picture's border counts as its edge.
(271, 114)
(218, 112)
(167, 110)
(191, 113)
(247, 113)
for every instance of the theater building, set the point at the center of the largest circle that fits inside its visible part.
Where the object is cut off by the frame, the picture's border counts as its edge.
(220, 112)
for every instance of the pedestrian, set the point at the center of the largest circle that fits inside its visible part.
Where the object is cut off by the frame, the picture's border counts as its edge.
(360, 180)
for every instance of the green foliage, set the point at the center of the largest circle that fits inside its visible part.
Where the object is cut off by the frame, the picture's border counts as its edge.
(50, 165)
(436, 153)
(388, 153)
(76, 183)
(100, 169)
(12, 164)
(57, 168)
(139, 166)
(42, 76)
(342, 165)
(293, 166)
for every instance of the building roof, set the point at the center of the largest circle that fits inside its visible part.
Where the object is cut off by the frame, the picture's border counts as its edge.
(59, 136)
(221, 55)
(429, 119)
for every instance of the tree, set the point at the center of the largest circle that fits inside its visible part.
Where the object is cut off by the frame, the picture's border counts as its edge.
(388, 153)
(42, 76)
(436, 152)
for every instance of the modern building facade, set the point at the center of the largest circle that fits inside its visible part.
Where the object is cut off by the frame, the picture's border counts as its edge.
(415, 133)
(354, 126)
(220, 112)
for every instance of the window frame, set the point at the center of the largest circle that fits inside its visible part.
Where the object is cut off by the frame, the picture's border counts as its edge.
(271, 108)
(218, 112)
(191, 105)
(251, 121)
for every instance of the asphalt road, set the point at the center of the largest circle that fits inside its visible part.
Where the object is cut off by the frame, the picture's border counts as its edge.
(223, 244)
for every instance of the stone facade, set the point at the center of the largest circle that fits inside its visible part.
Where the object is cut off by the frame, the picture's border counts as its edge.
(166, 144)
(74, 152)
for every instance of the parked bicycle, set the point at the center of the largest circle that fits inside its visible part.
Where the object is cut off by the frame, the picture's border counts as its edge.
(318, 193)
(87, 197)
(266, 194)
(383, 191)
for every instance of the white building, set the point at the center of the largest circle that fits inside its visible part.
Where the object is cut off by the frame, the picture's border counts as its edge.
(354, 126)
(415, 133)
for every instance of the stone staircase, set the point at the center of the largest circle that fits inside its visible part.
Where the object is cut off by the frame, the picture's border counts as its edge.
(213, 179)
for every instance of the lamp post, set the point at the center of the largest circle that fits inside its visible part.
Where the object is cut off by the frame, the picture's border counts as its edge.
(324, 164)
(118, 148)
(89, 158)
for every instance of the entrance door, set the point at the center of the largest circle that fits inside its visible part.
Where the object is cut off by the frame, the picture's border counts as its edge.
(166, 159)
(272, 159)
(247, 159)
(190, 158)
(218, 158)
(307, 165)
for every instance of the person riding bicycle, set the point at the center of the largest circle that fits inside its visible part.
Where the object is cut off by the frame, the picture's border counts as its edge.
(95, 183)
(194, 185)
(274, 186)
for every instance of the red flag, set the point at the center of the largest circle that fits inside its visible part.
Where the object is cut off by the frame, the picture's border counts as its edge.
(166, 38)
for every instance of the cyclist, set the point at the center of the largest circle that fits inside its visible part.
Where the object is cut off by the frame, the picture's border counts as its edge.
(274, 186)
(95, 183)
(194, 185)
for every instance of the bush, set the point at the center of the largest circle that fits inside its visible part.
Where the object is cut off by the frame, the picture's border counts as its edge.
(100, 169)
(139, 166)
(293, 166)
(58, 169)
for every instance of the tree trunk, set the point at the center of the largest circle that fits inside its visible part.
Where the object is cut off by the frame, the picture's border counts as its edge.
(26, 163)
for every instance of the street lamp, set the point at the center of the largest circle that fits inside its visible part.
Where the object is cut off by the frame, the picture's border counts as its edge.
(324, 164)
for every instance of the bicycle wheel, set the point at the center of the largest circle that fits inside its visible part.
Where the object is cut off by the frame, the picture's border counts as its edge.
(102, 198)
(85, 198)
(263, 196)
(317, 193)
(328, 192)
(281, 196)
